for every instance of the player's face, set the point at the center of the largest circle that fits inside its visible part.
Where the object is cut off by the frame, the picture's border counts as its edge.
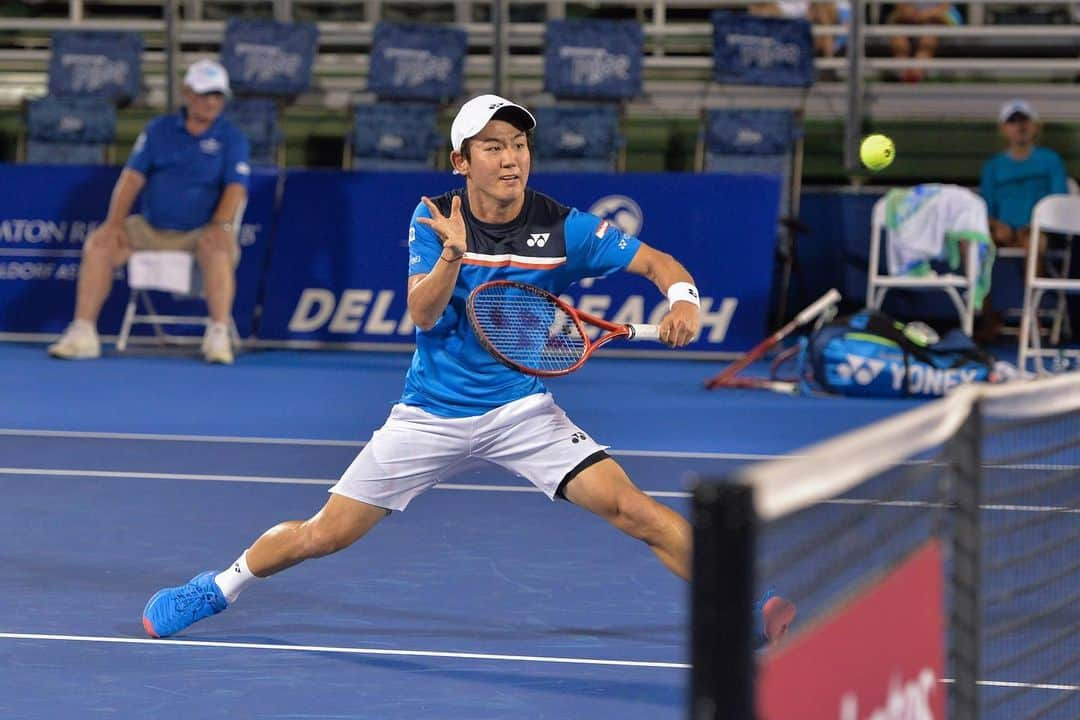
(499, 162)
(204, 109)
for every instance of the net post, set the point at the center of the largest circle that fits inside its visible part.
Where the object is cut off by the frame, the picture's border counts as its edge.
(965, 638)
(722, 657)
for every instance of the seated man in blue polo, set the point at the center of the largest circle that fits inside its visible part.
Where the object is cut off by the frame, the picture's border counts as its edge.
(192, 170)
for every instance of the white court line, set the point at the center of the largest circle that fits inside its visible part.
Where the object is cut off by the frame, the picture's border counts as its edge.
(56, 472)
(928, 504)
(88, 435)
(1030, 686)
(318, 442)
(242, 439)
(273, 480)
(346, 650)
(431, 653)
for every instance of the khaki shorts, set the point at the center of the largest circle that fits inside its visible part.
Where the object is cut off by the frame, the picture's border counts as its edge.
(143, 237)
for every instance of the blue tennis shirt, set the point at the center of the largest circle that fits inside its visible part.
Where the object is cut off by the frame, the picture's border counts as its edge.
(185, 173)
(1012, 187)
(548, 245)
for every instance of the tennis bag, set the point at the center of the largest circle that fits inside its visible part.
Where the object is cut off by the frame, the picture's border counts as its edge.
(869, 354)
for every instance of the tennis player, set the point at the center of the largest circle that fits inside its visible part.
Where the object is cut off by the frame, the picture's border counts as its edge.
(460, 404)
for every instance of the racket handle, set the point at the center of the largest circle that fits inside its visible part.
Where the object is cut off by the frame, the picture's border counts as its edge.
(817, 307)
(643, 332)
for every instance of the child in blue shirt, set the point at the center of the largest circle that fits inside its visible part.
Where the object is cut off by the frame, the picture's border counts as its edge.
(1018, 177)
(1012, 182)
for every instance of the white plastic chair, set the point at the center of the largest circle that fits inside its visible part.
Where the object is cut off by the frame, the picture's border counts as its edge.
(959, 288)
(1060, 214)
(1055, 261)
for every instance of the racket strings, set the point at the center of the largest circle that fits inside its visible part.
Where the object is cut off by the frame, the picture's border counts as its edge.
(528, 330)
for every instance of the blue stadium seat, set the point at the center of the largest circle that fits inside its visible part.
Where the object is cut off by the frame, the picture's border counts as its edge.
(592, 67)
(257, 118)
(96, 63)
(69, 130)
(394, 136)
(577, 138)
(752, 142)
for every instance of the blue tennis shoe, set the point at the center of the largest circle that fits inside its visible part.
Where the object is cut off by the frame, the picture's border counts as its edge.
(171, 610)
(773, 616)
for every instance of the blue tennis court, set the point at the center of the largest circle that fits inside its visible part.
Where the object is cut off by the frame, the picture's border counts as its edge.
(482, 600)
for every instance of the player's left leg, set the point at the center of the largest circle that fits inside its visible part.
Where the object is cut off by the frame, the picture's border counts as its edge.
(605, 489)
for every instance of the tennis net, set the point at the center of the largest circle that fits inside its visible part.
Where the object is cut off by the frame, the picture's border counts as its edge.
(933, 557)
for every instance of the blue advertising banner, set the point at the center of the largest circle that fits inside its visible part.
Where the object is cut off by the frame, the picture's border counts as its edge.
(750, 50)
(46, 214)
(340, 261)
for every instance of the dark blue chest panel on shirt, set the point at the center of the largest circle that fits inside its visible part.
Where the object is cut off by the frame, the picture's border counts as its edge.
(539, 231)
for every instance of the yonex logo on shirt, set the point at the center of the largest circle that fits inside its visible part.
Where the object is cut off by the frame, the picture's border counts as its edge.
(537, 239)
(210, 146)
(578, 437)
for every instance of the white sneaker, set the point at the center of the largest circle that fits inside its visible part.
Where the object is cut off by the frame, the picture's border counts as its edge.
(79, 342)
(217, 345)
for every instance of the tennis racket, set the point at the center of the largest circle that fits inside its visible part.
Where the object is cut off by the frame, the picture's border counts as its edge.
(725, 378)
(532, 331)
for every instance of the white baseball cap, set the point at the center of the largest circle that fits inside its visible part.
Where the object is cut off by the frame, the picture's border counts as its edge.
(207, 76)
(476, 113)
(1014, 107)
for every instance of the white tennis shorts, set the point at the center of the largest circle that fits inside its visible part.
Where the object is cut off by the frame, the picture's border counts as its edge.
(531, 437)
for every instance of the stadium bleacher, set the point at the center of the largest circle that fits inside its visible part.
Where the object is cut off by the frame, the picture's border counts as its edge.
(1005, 49)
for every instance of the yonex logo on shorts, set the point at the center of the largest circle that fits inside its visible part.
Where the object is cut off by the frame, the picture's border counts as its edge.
(578, 437)
(537, 239)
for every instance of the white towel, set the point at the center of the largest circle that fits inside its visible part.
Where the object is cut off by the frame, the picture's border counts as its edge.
(168, 270)
(918, 218)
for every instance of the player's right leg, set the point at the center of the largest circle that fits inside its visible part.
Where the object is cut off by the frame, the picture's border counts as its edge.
(404, 457)
(341, 522)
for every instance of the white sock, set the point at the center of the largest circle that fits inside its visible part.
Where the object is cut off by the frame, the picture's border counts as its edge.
(217, 327)
(235, 579)
(84, 326)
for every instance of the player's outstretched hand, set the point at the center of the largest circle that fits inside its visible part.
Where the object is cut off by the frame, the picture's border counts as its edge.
(680, 325)
(451, 230)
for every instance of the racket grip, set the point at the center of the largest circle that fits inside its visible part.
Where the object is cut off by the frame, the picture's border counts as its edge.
(818, 306)
(643, 332)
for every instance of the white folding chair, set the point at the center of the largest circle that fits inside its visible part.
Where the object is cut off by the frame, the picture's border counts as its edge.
(1056, 214)
(1053, 260)
(166, 271)
(959, 288)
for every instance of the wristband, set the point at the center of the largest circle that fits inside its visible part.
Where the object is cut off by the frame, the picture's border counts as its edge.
(450, 262)
(683, 292)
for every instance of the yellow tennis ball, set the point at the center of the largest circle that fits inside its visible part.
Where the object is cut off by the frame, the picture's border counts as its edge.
(877, 152)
